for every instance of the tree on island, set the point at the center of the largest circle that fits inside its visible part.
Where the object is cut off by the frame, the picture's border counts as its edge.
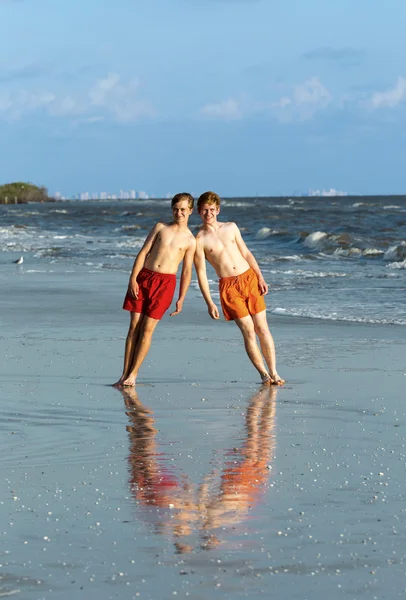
(21, 192)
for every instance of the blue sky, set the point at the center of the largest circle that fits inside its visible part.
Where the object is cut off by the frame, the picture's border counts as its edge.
(241, 96)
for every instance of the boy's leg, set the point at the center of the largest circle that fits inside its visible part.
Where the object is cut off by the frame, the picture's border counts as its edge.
(246, 325)
(146, 329)
(130, 344)
(267, 345)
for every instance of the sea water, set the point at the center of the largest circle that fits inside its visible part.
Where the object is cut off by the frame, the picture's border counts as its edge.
(339, 258)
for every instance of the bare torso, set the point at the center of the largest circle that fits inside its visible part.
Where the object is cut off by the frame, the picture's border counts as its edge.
(222, 251)
(168, 249)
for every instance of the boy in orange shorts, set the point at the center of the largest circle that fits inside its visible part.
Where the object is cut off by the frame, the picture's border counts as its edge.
(153, 281)
(242, 286)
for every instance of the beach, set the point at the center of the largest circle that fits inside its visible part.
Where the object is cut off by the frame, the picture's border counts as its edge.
(200, 484)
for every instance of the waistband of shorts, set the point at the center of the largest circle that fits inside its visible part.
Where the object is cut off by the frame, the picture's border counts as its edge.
(166, 275)
(234, 277)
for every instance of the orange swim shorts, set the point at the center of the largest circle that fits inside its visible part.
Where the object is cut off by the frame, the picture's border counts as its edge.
(155, 294)
(240, 296)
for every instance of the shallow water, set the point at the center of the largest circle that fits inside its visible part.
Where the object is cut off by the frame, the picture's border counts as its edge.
(201, 485)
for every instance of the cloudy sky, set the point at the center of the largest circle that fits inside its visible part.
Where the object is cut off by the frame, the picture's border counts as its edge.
(241, 96)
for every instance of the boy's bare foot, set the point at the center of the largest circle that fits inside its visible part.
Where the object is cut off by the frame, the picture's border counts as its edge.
(276, 380)
(128, 382)
(119, 383)
(266, 379)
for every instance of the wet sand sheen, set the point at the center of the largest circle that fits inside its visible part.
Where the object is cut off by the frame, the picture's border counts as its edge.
(201, 483)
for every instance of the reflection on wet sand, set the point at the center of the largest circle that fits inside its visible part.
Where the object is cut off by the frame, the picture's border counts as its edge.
(225, 495)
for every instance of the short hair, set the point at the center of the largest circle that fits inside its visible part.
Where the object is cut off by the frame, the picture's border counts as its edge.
(183, 196)
(209, 198)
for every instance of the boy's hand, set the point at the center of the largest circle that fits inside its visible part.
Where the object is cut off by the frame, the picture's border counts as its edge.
(133, 289)
(213, 311)
(263, 286)
(179, 306)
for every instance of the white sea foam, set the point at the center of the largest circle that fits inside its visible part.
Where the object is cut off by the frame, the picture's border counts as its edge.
(372, 252)
(311, 314)
(397, 265)
(396, 253)
(348, 251)
(390, 207)
(263, 233)
(315, 240)
(130, 243)
(309, 274)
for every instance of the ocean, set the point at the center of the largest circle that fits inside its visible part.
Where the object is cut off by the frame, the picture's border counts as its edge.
(337, 258)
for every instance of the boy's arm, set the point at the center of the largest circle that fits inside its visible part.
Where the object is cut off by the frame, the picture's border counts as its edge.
(185, 277)
(141, 257)
(249, 257)
(200, 266)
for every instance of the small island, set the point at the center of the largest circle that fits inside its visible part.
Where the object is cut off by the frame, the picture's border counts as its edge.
(22, 193)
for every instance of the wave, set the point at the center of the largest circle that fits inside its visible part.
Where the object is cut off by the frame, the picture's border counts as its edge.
(265, 232)
(288, 257)
(344, 245)
(397, 265)
(396, 253)
(307, 274)
(320, 240)
(309, 314)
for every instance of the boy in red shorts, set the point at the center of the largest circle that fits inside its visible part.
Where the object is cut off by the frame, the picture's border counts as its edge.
(242, 286)
(153, 281)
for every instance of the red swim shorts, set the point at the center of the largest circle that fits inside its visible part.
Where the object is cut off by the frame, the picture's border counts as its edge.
(240, 296)
(155, 294)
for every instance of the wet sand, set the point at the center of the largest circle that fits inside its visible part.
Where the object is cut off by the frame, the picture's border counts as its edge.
(201, 484)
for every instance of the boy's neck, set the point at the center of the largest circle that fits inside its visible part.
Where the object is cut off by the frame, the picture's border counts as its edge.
(180, 225)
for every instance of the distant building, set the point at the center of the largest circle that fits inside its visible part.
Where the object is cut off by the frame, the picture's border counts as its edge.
(328, 193)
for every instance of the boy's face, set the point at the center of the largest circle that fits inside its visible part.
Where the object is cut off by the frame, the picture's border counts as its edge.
(208, 213)
(181, 211)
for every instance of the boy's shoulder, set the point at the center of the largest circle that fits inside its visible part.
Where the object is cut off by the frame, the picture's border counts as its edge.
(158, 226)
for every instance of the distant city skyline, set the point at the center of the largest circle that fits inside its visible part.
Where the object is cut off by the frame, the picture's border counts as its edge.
(141, 195)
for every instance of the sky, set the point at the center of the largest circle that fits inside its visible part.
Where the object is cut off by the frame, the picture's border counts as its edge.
(243, 97)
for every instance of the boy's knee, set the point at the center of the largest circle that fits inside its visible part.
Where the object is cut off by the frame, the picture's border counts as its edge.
(248, 333)
(262, 330)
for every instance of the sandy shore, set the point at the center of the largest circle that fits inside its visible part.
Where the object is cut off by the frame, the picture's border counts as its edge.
(200, 485)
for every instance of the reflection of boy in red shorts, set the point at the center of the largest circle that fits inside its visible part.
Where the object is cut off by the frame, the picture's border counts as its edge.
(153, 281)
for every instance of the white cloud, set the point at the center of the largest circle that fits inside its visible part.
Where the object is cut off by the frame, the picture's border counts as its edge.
(15, 106)
(303, 102)
(391, 97)
(228, 110)
(119, 100)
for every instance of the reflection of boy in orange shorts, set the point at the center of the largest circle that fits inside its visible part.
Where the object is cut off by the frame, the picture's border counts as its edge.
(242, 286)
(240, 296)
(153, 281)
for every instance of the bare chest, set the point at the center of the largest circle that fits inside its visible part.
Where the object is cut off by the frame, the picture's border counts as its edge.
(170, 243)
(216, 244)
